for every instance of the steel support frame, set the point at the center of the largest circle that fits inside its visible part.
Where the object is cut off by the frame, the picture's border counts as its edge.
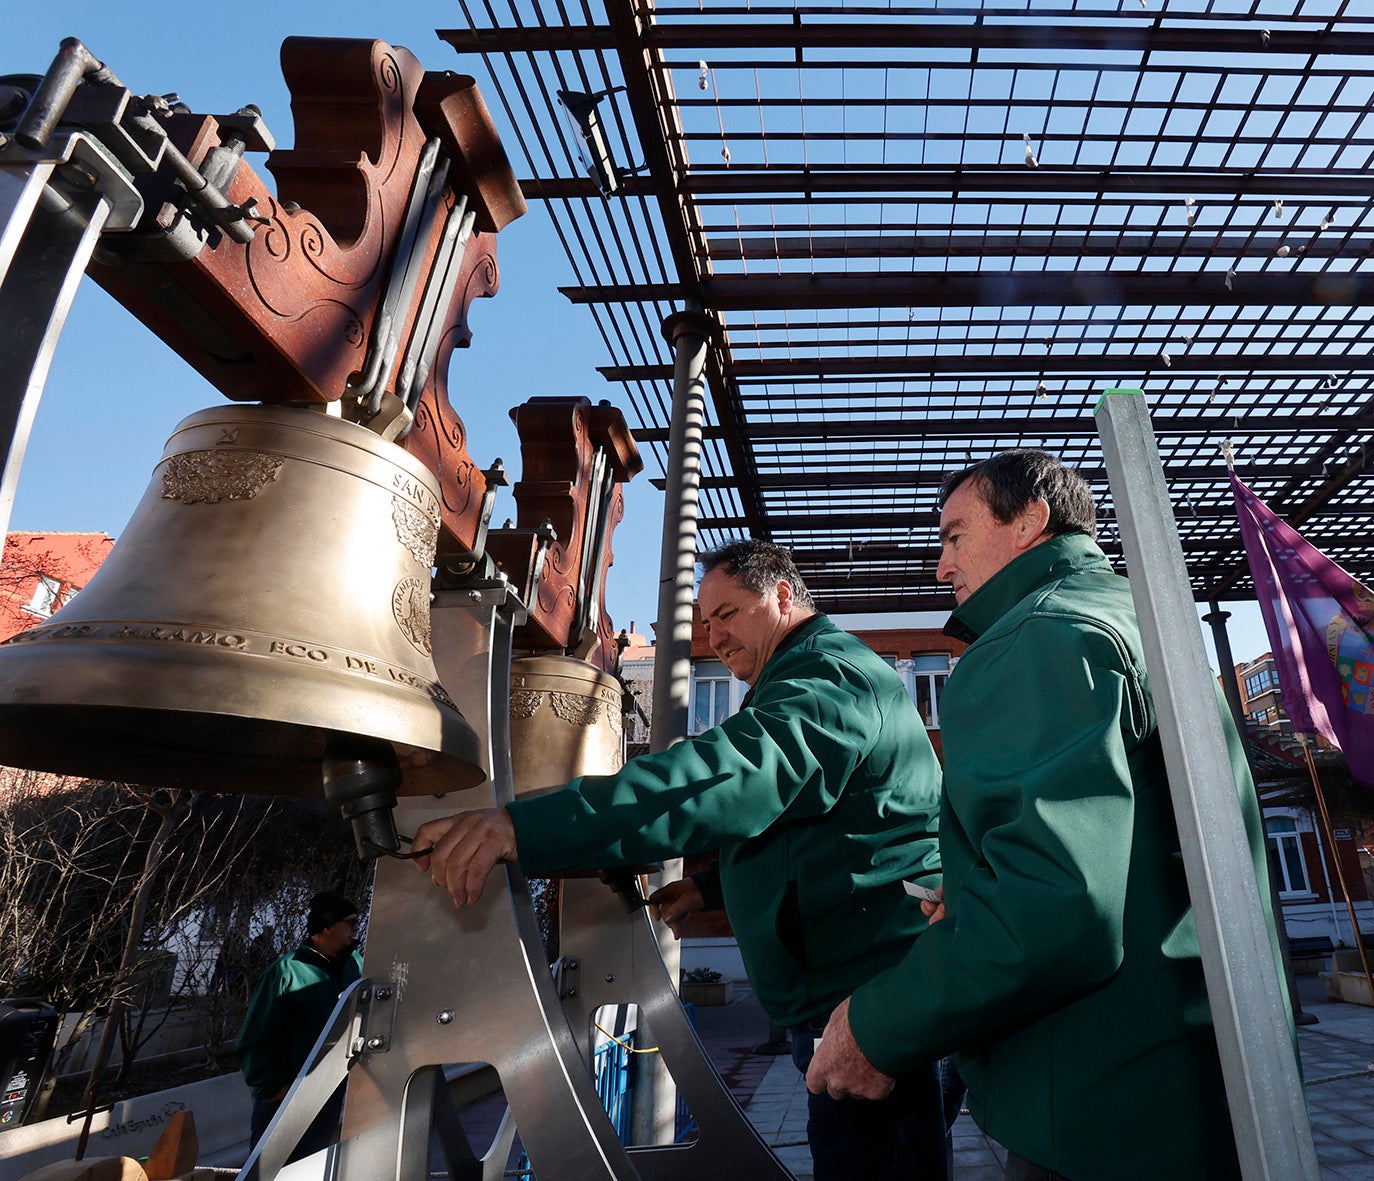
(470, 985)
(1254, 1035)
(444, 986)
(47, 236)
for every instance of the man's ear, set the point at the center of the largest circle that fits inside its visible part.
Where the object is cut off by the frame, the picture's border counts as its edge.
(785, 596)
(1031, 523)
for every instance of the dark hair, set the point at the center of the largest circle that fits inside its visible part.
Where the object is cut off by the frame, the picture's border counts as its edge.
(1013, 479)
(758, 566)
(326, 909)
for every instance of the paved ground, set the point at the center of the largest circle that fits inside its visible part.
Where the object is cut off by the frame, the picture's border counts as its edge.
(1338, 1065)
(1337, 1057)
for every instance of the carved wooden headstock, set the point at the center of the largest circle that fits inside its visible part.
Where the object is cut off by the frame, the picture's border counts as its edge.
(289, 315)
(575, 459)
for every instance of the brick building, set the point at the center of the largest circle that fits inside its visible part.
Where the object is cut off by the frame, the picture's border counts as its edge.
(42, 571)
(1306, 864)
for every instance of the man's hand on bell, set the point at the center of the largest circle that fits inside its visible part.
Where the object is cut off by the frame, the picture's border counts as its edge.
(676, 902)
(465, 849)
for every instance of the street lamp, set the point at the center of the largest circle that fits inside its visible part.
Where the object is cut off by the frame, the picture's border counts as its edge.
(580, 110)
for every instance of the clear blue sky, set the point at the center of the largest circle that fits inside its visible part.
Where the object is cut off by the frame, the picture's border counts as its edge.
(115, 393)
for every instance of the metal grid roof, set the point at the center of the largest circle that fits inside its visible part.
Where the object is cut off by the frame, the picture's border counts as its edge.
(926, 234)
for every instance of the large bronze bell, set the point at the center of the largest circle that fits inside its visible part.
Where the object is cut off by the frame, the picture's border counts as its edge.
(267, 605)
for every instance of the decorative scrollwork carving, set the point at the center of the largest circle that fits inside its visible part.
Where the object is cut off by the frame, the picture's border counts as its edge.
(574, 708)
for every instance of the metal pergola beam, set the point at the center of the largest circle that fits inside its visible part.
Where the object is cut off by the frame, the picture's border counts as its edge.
(873, 523)
(868, 558)
(975, 244)
(836, 289)
(1203, 194)
(852, 186)
(788, 31)
(1047, 426)
(992, 365)
(852, 479)
(658, 128)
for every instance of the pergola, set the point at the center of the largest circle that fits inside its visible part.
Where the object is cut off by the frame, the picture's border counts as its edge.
(926, 234)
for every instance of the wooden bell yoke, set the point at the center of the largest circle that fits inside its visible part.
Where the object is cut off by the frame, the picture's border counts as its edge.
(338, 269)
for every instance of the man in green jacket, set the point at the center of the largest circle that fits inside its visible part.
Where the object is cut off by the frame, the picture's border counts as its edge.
(291, 1003)
(1063, 962)
(821, 795)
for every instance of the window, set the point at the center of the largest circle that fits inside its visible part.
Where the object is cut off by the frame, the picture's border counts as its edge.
(929, 672)
(1285, 855)
(47, 597)
(1264, 681)
(710, 695)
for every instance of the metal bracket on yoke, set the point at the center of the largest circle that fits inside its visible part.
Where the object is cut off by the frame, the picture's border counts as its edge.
(567, 976)
(376, 1016)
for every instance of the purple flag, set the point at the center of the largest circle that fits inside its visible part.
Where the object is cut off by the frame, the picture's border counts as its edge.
(1321, 629)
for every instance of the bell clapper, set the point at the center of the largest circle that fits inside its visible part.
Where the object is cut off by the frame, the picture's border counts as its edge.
(360, 777)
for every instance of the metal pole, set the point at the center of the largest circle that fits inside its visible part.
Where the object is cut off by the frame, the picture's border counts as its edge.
(1222, 641)
(688, 332)
(1217, 618)
(1254, 1036)
(1355, 931)
(654, 1110)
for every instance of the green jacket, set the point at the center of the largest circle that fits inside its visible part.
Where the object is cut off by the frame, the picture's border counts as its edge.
(821, 794)
(1067, 969)
(291, 1003)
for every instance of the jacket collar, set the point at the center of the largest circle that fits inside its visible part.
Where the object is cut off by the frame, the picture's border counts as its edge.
(803, 631)
(310, 951)
(1039, 565)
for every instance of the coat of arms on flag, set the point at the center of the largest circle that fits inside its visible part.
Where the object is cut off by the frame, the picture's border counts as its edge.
(1351, 651)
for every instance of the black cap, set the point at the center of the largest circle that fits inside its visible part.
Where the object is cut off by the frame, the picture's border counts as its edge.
(326, 909)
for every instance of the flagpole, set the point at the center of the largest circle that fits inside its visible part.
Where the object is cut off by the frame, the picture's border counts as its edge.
(1231, 688)
(1336, 860)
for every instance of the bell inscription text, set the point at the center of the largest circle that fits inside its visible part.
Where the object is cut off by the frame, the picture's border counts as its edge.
(252, 643)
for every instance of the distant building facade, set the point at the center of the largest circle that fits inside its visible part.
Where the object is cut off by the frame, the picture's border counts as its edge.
(1259, 694)
(1303, 859)
(41, 572)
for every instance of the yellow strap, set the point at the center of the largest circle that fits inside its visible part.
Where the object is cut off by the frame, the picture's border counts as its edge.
(626, 1045)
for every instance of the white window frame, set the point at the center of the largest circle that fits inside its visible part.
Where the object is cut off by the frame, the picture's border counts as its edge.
(913, 675)
(47, 597)
(1286, 842)
(714, 674)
